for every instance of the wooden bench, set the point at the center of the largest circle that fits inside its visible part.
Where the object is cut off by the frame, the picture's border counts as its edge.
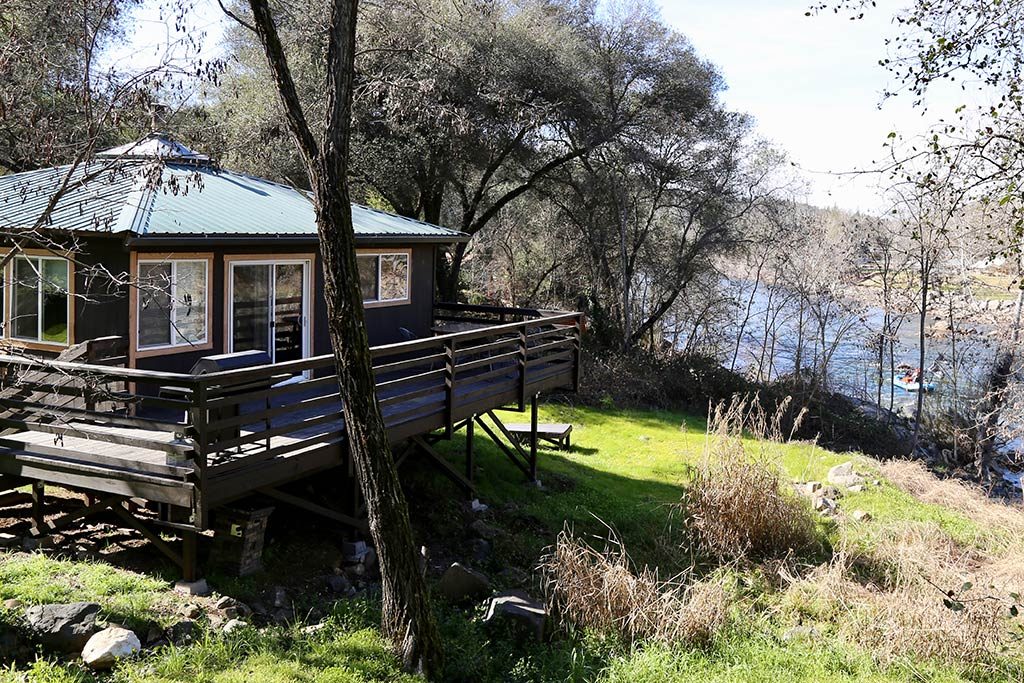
(557, 434)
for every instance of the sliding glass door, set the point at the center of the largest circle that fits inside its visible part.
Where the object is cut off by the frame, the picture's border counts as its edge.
(270, 308)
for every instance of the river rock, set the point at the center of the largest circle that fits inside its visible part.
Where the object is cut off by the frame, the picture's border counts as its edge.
(109, 645)
(63, 627)
(844, 475)
(461, 583)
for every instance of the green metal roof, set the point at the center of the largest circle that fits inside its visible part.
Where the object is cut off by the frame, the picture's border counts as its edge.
(167, 196)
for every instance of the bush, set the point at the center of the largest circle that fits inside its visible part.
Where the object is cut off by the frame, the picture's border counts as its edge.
(735, 507)
(598, 590)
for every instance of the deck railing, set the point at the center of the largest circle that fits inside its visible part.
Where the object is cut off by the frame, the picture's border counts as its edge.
(196, 441)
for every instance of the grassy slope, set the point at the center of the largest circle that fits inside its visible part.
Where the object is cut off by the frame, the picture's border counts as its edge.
(626, 469)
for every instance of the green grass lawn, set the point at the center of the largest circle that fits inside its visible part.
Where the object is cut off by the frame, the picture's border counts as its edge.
(626, 470)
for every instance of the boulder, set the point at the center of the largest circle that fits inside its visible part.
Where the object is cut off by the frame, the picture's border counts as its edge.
(481, 549)
(518, 611)
(459, 583)
(844, 475)
(183, 632)
(191, 611)
(63, 627)
(825, 505)
(232, 609)
(339, 583)
(109, 645)
(279, 597)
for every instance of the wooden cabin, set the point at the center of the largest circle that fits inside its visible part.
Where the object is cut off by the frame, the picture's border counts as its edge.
(185, 259)
(166, 351)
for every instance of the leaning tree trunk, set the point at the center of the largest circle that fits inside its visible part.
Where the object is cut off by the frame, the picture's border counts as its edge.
(406, 617)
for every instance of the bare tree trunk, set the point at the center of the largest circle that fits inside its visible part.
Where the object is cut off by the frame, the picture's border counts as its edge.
(922, 320)
(406, 617)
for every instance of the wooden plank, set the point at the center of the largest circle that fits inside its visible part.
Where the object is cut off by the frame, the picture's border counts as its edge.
(253, 437)
(292, 446)
(50, 471)
(18, 442)
(82, 414)
(97, 433)
(273, 472)
(264, 394)
(295, 408)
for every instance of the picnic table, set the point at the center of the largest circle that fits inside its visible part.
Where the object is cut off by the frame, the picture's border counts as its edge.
(557, 434)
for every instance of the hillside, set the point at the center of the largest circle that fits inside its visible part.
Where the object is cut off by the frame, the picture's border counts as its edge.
(863, 601)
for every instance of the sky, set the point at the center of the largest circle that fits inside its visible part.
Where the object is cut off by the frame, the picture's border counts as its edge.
(812, 84)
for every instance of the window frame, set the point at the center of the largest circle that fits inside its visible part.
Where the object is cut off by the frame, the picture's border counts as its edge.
(140, 259)
(381, 303)
(8, 301)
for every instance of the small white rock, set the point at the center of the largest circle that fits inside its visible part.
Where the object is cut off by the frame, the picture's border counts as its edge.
(104, 648)
(844, 475)
(233, 625)
(861, 516)
(199, 587)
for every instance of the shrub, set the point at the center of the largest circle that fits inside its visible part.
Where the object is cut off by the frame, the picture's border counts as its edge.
(735, 507)
(598, 590)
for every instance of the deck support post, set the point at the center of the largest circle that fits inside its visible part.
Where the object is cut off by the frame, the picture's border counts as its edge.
(469, 448)
(189, 555)
(38, 507)
(533, 437)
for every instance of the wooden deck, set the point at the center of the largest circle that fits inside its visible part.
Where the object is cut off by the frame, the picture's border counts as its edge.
(195, 442)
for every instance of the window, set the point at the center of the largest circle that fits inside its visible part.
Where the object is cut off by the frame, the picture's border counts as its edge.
(40, 308)
(384, 277)
(172, 303)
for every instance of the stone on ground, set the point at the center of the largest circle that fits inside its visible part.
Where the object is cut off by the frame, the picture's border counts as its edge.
(844, 475)
(63, 627)
(461, 583)
(104, 648)
(233, 625)
(518, 611)
(861, 516)
(199, 587)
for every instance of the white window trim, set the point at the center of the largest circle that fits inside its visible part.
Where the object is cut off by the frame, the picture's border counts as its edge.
(38, 339)
(173, 294)
(369, 303)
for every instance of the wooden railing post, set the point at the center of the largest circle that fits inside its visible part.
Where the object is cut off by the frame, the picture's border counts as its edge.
(523, 340)
(200, 420)
(577, 356)
(449, 388)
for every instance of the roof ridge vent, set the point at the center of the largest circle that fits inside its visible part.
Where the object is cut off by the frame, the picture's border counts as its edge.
(156, 146)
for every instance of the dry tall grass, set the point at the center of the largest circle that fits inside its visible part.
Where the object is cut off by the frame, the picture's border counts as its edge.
(889, 595)
(913, 477)
(599, 590)
(736, 507)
